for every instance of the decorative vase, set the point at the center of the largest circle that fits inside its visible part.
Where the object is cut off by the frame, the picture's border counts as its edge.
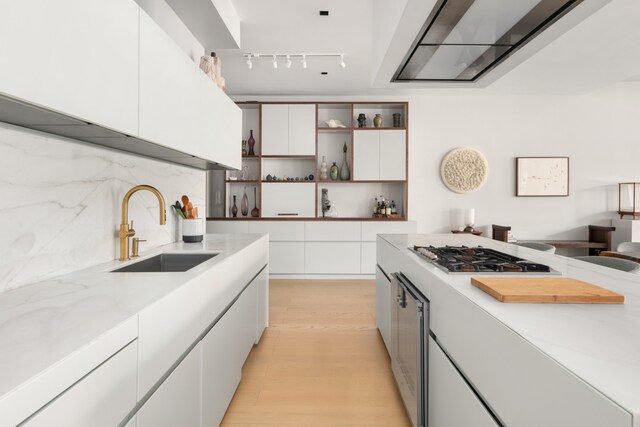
(323, 169)
(362, 120)
(333, 172)
(255, 212)
(234, 209)
(244, 207)
(377, 121)
(251, 141)
(344, 169)
(396, 120)
(244, 147)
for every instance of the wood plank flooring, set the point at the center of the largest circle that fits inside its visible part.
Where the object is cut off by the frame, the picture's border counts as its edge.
(321, 363)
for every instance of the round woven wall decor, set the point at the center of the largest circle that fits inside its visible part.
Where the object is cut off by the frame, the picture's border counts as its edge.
(464, 170)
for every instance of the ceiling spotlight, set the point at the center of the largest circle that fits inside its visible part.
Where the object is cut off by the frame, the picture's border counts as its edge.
(288, 61)
(304, 61)
(249, 62)
(342, 63)
(275, 62)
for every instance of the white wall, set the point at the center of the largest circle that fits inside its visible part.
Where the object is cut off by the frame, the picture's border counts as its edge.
(599, 132)
(61, 203)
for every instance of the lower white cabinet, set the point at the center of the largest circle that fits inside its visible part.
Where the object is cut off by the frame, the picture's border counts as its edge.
(262, 285)
(102, 398)
(286, 257)
(451, 400)
(368, 258)
(177, 401)
(337, 257)
(286, 200)
(383, 307)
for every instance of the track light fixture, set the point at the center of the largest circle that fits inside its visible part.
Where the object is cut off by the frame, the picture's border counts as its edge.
(303, 58)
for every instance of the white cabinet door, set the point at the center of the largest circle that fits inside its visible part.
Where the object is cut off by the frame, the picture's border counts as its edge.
(262, 289)
(368, 258)
(451, 400)
(102, 398)
(283, 199)
(302, 129)
(333, 231)
(332, 258)
(366, 155)
(169, 91)
(177, 401)
(78, 57)
(393, 155)
(275, 129)
(286, 257)
(383, 307)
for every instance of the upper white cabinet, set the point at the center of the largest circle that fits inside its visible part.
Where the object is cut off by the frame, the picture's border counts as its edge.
(77, 57)
(288, 200)
(289, 129)
(379, 155)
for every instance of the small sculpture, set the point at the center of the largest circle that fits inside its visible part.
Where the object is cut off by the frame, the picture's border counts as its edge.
(362, 120)
(326, 203)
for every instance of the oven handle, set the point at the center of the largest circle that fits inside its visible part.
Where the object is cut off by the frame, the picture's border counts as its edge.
(407, 289)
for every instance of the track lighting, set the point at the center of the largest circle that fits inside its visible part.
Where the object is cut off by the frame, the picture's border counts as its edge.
(250, 57)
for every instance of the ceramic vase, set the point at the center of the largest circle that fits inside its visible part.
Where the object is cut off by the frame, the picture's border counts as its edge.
(362, 120)
(345, 174)
(323, 169)
(251, 141)
(244, 207)
(255, 212)
(333, 172)
(377, 121)
(234, 209)
(244, 147)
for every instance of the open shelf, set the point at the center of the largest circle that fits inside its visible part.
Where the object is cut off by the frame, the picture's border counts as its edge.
(238, 181)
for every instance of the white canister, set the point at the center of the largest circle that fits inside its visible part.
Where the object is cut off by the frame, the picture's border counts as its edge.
(192, 230)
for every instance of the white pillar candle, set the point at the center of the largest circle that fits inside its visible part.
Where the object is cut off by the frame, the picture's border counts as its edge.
(471, 216)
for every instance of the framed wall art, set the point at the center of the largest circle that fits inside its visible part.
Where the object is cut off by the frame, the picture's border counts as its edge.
(542, 176)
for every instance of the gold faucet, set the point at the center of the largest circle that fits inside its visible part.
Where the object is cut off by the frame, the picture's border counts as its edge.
(126, 232)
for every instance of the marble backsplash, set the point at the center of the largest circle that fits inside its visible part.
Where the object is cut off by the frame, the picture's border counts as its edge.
(61, 203)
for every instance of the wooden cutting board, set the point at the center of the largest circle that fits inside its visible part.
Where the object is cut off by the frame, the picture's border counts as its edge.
(550, 290)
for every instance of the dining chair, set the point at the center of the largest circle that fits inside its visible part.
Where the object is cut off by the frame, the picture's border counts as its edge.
(617, 263)
(628, 247)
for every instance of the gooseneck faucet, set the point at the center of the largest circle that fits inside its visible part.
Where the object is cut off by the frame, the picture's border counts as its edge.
(126, 232)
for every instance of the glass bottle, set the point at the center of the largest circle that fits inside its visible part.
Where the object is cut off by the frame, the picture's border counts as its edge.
(255, 212)
(345, 174)
(244, 207)
(394, 208)
(333, 172)
(234, 209)
(251, 141)
(323, 169)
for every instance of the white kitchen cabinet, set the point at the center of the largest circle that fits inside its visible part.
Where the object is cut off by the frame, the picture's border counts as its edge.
(77, 57)
(451, 400)
(177, 402)
(289, 129)
(279, 231)
(288, 200)
(370, 229)
(286, 257)
(334, 257)
(379, 155)
(368, 258)
(393, 155)
(262, 311)
(366, 155)
(334, 231)
(133, 422)
(102, 398)
(383, 307)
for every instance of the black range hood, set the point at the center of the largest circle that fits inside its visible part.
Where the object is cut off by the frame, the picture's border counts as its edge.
(462, 40)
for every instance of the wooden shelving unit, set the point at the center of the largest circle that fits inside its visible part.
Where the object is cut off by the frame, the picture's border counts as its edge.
(350, 196)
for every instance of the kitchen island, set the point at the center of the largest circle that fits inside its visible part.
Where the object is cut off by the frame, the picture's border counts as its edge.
(521, 364)
(102, 348)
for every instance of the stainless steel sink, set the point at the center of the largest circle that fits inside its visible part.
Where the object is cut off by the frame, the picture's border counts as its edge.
(165, 263)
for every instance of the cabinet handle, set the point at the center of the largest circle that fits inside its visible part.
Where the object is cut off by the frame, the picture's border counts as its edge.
(287, 214)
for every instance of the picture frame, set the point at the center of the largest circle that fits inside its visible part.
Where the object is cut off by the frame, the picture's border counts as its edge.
(542, 176)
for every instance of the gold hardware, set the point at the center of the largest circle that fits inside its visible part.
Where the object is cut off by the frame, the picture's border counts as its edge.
(126, 232)
(135, 246)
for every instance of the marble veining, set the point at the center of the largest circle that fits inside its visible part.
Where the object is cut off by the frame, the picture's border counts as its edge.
(61, 199)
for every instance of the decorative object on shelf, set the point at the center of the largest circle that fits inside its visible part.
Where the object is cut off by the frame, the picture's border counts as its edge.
(396, 120)
(255, 212)
(333, 123)
(251, 141)
(377, 121)
(333, 172)
(628, 199)
(269, 178)
(245, 173)
(469, 220)
(311, 177)
(362, 120)
(464, 170)
(212, 67)
(244, 147)
(244, 206)
(323, 169)
(542, 176)
(234, 209)
(345, 174)
(326, 203)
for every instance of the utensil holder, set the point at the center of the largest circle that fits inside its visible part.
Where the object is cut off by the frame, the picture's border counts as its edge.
(192, 230)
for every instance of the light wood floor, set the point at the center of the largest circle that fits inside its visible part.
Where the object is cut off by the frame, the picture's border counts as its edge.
(321, 363)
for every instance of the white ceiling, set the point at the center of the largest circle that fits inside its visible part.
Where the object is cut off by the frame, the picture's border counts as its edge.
(595, 45)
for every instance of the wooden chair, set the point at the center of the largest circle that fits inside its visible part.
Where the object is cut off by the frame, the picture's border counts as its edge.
(500, 232)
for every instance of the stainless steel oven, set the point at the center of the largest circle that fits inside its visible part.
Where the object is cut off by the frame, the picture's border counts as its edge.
(409, 346)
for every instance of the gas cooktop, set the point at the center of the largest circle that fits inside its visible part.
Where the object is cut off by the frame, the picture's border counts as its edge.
(463, 259)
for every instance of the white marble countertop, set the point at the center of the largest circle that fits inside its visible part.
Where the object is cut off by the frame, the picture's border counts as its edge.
(598, 343)
(51, 331)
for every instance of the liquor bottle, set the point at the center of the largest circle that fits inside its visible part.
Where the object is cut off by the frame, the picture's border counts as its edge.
(375, 205)
(394, 208)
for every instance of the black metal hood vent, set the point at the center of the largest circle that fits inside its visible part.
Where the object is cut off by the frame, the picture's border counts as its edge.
(462, 40)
